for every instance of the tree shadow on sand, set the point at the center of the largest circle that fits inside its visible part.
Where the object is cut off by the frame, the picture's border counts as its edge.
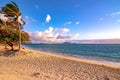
(106, 77)
(9, 53)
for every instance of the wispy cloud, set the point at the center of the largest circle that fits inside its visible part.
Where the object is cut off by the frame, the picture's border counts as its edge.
(48, 18)
(29, 20)
(66, 23)
(118, 20)
(101, 19)
(77, 22)
(103, 35)
(114, 14)
(70, 22)
(36, 6)
(52, 35)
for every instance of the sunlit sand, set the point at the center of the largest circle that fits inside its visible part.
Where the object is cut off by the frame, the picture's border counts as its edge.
(35, 65)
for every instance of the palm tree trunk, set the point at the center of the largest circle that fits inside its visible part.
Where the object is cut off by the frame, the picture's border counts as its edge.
(19, 37)
(5, 38)
(5, 44)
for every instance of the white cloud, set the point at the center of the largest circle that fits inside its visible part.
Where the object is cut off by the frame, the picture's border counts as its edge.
(48, 18)
(63, 30)
(68, 23)
(65, 36)
(52, 35)
(74, 36)
(114, 14)
(77, 23)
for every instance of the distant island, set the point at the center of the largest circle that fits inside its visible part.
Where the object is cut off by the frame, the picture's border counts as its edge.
(92, 41)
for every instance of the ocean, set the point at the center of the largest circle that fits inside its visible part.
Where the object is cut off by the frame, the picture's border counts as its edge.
(110, 52)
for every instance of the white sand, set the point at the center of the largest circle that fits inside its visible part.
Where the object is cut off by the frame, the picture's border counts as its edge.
(34, 65)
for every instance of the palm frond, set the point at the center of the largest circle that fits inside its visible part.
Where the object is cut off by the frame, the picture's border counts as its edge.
(15, 5)
(11, 8)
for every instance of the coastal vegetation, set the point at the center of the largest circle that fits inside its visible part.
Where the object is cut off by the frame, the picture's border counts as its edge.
(11, 25)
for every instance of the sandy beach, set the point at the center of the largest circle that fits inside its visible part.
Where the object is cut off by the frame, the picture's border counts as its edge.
(35, 65)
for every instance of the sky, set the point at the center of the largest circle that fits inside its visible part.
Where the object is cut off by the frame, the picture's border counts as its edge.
(60, 20)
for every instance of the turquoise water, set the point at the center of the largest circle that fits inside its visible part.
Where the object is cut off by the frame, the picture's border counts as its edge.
(102, 51)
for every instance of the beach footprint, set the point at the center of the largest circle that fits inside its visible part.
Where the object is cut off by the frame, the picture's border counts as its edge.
(36, 74)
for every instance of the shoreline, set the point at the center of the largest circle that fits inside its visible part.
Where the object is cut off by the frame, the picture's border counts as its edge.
(98, 61)
(85, 60)
(32, 64)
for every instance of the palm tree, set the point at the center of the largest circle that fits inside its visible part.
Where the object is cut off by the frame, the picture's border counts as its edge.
(1, 24)
(12, 10)
(3, 21)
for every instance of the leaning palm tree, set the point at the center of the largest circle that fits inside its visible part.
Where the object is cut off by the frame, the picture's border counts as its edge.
(12, 10)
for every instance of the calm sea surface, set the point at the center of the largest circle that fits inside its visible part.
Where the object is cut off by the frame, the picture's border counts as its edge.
(103, 51)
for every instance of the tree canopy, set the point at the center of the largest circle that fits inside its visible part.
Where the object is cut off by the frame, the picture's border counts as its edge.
(11, 24)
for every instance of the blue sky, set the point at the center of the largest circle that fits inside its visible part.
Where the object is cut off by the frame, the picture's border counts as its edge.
(74, 19)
